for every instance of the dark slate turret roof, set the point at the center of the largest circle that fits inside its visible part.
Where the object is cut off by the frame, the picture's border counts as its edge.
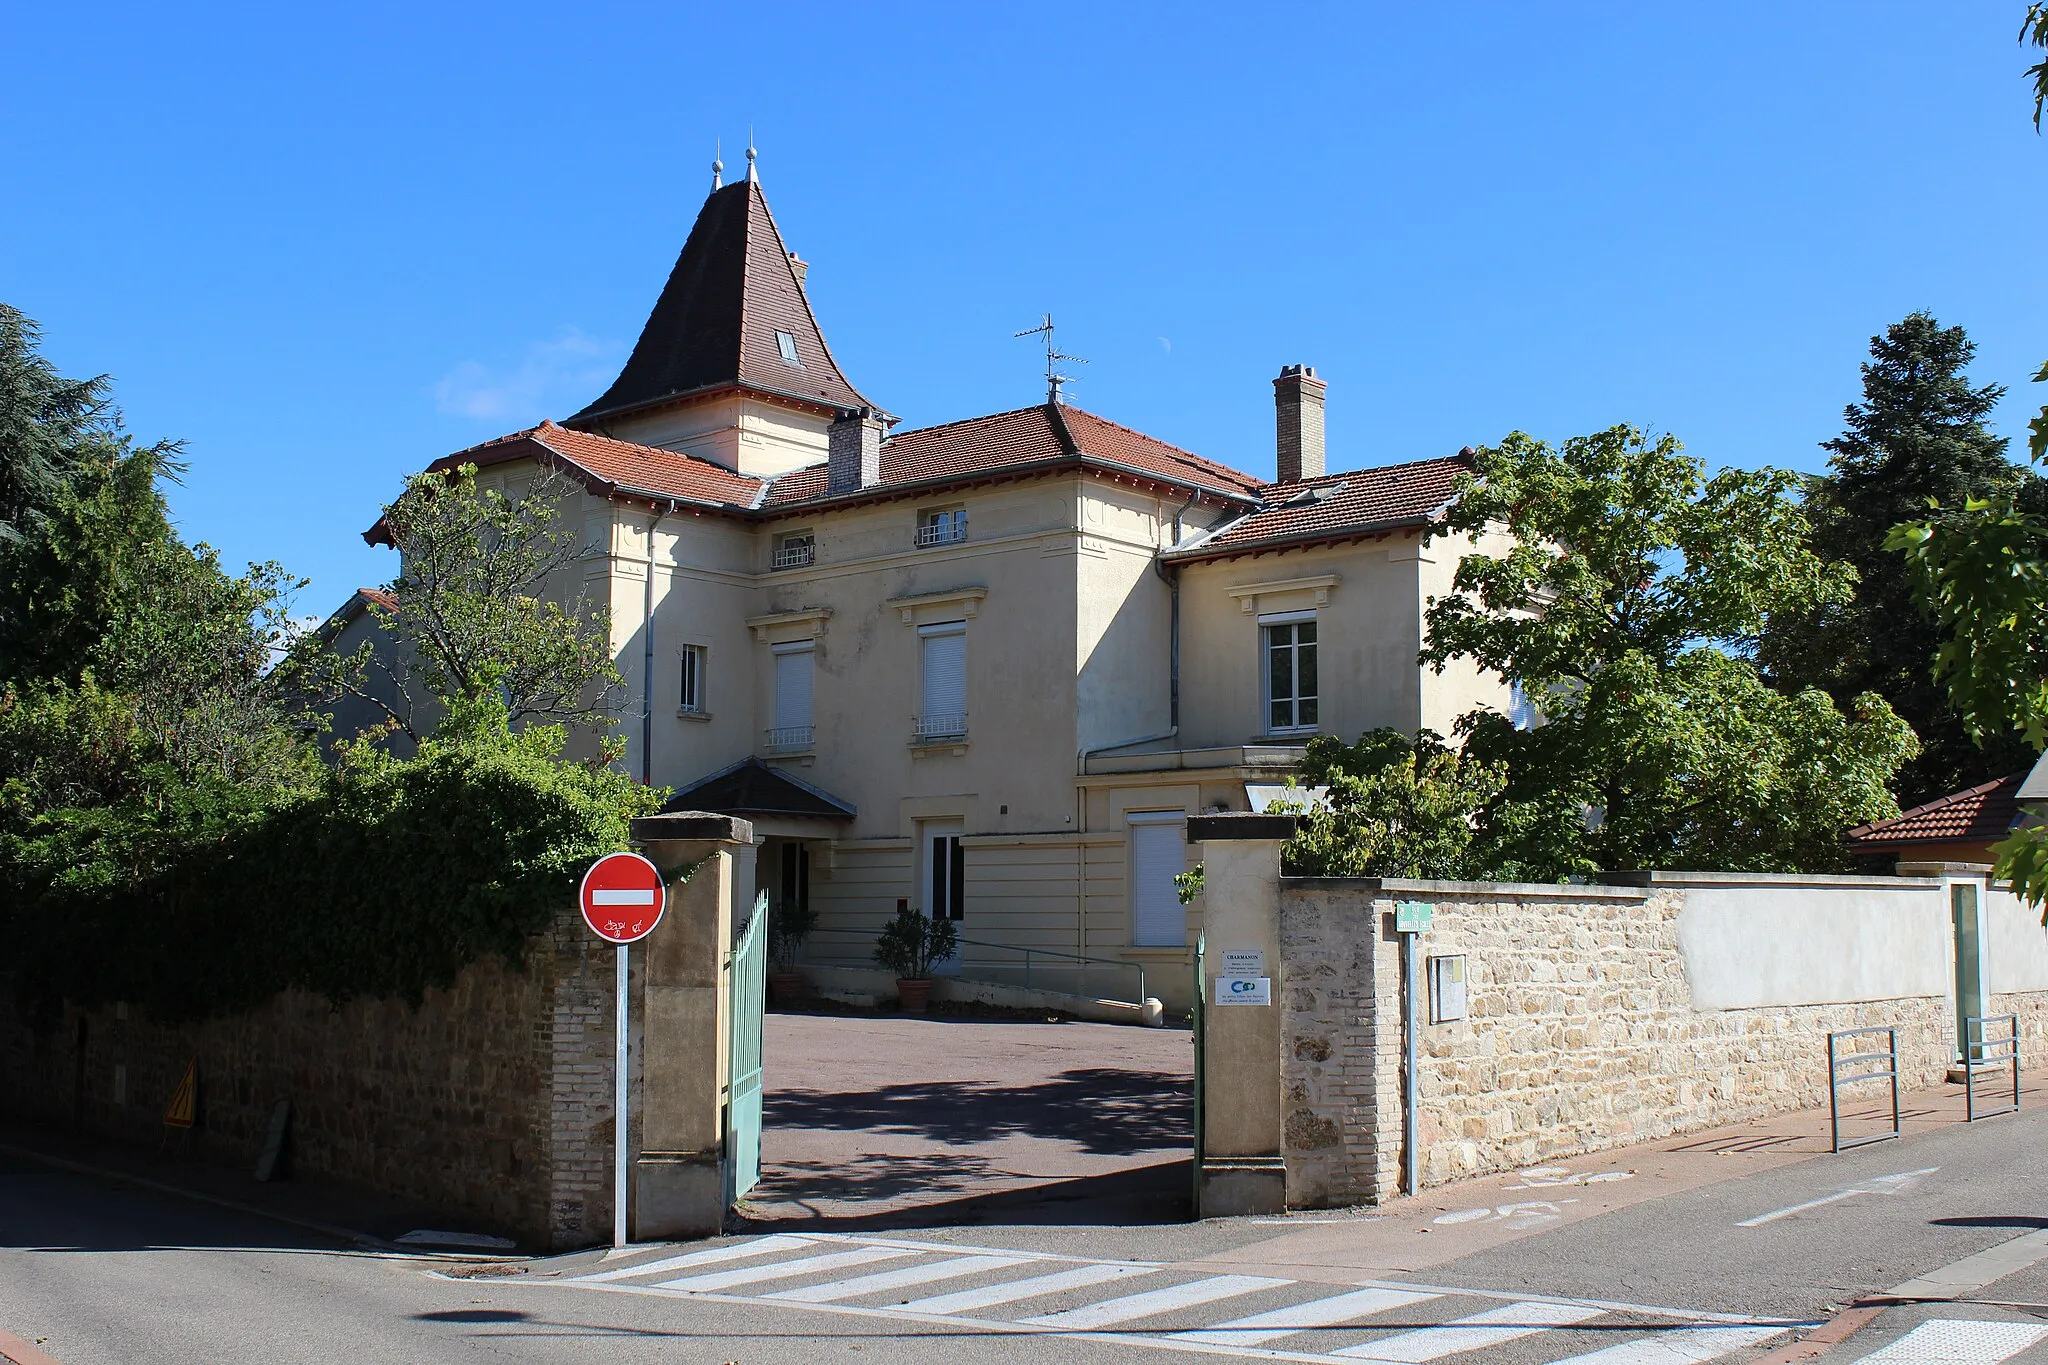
(714, 325)
(750, 787)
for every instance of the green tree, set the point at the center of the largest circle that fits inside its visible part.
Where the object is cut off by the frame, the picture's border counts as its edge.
(1918, 436)
(1396, 807)
(477, 618)
(1626, 601)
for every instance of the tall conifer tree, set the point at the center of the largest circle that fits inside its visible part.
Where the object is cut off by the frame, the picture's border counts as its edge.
(1919, 435)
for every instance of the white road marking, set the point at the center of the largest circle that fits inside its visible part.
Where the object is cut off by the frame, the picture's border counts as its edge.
(1953, 1341)
(968, 1300)
(736, 1251)
(1884, 1184)
(1336, 1311)
(644, 896)
(883, 1280)
(1490, 1328)
(1679, 1346)
(782, 1270)
(1155, 1301)
(1972, 1273)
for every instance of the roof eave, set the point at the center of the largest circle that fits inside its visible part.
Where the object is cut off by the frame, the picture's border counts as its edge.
(1299, 540)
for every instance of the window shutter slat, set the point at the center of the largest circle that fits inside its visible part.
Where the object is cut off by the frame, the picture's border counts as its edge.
(945, 675)
(1159, 920)
(792, 689)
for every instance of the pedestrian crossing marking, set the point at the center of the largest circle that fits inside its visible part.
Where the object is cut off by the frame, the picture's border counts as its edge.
(1337, 1311)
(1080, 1277)
(1152, 1302)
(1957, 1341)
(782, 1270)
(743, 1273)
(1489, 1328)
(1677, 1346)
(709, 1256)
(884, 1280)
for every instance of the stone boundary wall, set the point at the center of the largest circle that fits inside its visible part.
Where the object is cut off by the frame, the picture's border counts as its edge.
(491, 1099)
(1581, 1034)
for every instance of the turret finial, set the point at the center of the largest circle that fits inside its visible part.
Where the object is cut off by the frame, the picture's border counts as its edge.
(752, 175)
(717, 166)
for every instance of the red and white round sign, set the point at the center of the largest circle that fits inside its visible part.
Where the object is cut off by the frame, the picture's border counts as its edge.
(622, 897)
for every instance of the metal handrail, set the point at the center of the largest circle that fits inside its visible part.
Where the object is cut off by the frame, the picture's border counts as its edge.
(940, 725)
(1836, 1080)
(1029, 953)
(789, 739)
(1989, 1054)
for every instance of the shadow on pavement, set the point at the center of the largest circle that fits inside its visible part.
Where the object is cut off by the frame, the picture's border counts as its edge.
(1139, 1195)
(1104, 1111)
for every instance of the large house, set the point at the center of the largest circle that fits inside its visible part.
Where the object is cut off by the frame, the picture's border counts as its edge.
(985, 669)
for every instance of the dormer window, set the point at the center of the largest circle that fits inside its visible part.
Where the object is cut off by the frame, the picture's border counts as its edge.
(785, 346)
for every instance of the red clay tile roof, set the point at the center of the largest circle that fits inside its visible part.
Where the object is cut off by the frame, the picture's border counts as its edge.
(1985, 811)
(378, 597)
(621, 465)
(1339, 506)
(714, 325)
(981, 446)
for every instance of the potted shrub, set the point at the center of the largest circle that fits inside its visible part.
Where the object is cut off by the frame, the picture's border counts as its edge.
(908, 946)
(788, 927)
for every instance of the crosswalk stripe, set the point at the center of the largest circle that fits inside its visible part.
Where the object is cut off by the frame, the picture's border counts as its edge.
(1336, 1311)
(1080, 1277)
(736, 1251)
(1957, 1341)
(1490, 1328)
(883, 1280)
(1090, 1316)
(782, 1270)
(1680, 1346)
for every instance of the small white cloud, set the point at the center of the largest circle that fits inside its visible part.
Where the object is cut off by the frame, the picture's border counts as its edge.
(571, 367)
(1167, 345)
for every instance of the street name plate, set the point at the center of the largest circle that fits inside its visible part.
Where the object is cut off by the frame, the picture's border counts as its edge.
(1244, 961)
(1412, 917)
(1244, 990)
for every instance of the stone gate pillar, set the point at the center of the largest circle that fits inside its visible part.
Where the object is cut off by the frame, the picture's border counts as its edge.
(1243, 1169)
(678, 1178)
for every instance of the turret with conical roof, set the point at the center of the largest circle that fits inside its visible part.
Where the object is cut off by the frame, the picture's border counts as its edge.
(732, 365)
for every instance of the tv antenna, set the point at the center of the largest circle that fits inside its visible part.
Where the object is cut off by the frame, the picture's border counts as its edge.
(1053, 357)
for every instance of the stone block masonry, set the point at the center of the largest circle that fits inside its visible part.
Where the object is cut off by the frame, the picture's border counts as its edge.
(1581, 1034)
(491, 1099)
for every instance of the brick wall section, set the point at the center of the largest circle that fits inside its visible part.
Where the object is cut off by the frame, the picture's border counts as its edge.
(491, 1099)
(1581, 1035)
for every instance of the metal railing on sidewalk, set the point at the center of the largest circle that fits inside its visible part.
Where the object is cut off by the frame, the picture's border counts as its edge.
(1983, 1055)
(1837, 1060)
(975, 967)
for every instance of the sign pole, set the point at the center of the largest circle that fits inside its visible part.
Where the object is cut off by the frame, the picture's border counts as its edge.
(619, 1085)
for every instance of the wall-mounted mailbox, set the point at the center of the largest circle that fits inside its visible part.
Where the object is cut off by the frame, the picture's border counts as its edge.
(1447, 989)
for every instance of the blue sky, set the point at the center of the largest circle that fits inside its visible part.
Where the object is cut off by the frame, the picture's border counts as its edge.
(325, 245)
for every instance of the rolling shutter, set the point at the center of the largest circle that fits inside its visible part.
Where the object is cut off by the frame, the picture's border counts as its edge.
(792, 688)
(1158, 855)
(945, 670)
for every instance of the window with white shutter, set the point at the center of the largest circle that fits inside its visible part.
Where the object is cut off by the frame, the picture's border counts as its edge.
(792, 729)
(1158, 855)
(944, 713)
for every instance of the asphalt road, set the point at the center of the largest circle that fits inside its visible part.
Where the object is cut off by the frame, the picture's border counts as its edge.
(93, 1272)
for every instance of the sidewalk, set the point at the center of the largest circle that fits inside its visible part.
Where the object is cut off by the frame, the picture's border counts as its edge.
(324, 1214)
(1446, 1222)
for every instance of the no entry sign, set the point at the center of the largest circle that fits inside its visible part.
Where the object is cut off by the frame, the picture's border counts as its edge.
(622, 897)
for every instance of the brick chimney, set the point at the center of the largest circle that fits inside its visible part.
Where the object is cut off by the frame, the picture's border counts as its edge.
(1298, 418)
(853, 458)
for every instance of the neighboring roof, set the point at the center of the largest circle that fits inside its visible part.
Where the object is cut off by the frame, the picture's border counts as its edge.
(1337, 507)
(1985, 811)
(1015, 441)
(714, 325)
(359, 601)
(751, 787)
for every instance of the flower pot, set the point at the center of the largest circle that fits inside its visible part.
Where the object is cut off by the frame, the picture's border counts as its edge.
(787, 986)
(913, 995)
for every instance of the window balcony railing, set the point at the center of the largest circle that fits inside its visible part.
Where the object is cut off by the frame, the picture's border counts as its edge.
(945, 532)
(795, 554)
(790, 739)
(941, 725)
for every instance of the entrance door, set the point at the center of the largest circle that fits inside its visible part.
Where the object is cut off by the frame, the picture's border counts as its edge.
(1966, 908)
(943, 876)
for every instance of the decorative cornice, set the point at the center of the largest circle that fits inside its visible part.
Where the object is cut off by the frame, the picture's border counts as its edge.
(1248, 594)
(968, 598)
(813, 617)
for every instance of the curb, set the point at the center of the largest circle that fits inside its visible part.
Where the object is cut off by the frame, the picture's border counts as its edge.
(365, 1240)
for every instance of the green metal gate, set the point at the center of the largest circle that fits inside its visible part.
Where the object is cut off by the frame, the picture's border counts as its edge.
(1201, 988)
(746, 998)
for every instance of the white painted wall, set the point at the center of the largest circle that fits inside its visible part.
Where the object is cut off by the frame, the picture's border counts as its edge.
(2016, 951)
(1755, 941)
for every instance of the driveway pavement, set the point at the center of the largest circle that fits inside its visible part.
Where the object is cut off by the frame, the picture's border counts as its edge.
(904, 1122)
